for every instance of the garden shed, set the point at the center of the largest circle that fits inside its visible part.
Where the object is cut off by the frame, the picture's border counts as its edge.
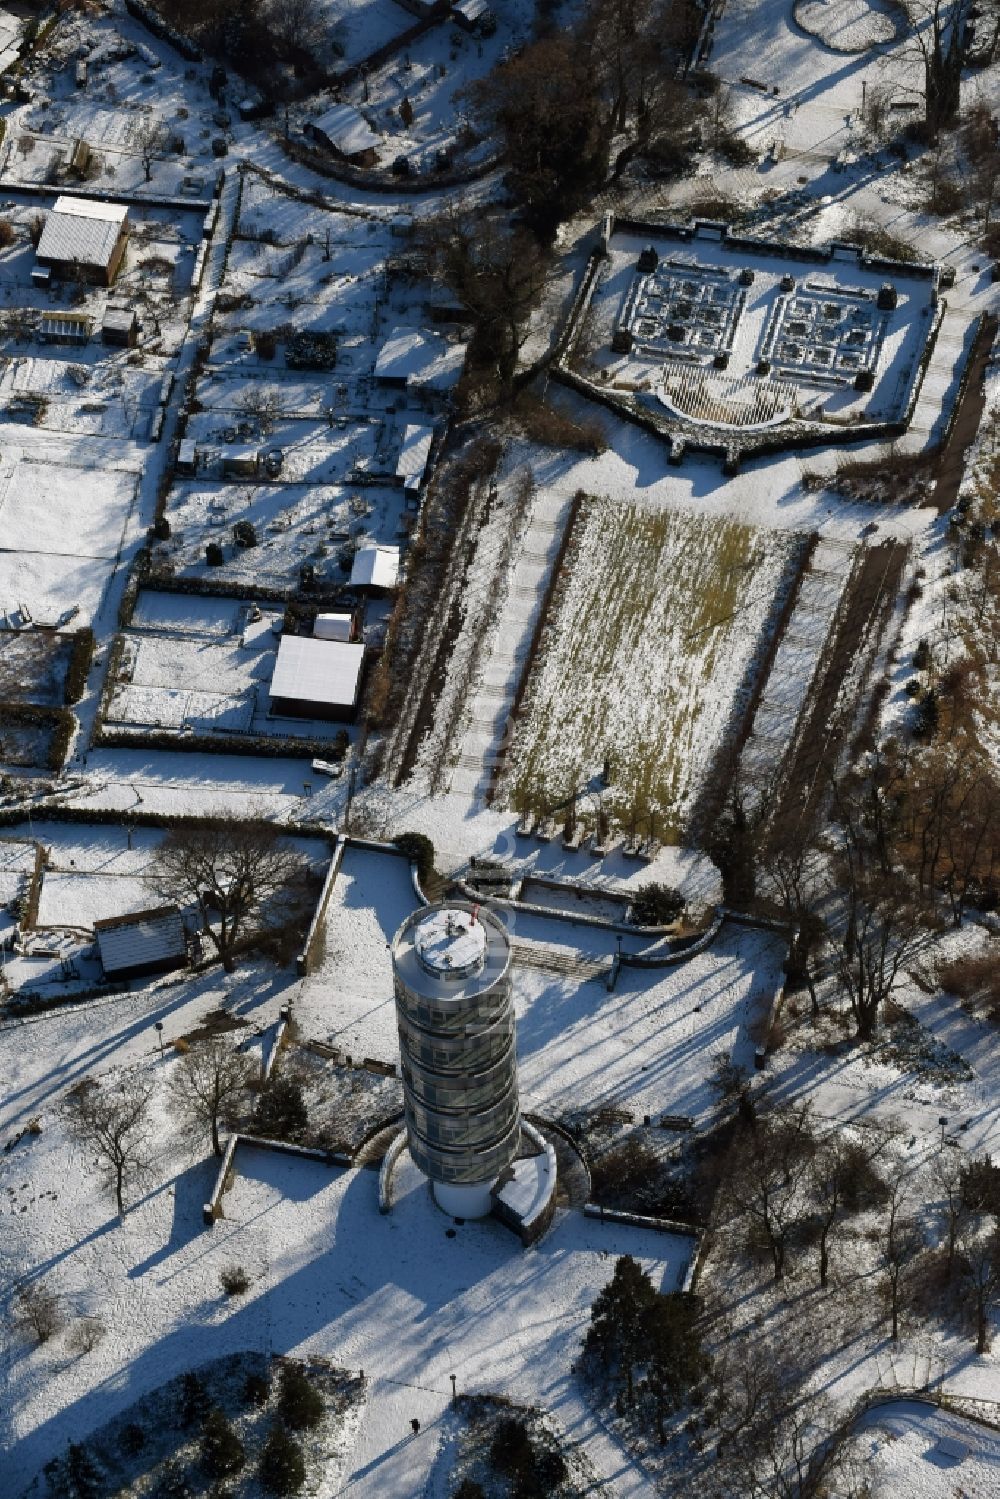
(142, 943)
(317, 678)
(86, 238)
(375, 567)
(345, 131)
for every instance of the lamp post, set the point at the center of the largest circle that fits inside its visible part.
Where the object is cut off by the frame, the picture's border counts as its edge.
(158, 1027)
(943, 1123)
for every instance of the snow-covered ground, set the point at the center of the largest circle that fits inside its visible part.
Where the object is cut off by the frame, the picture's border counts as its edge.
(908, 1447)
(393, 1295)
(648, 1046)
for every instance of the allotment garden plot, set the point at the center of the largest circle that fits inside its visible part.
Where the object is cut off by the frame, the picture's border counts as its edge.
(657, 629)
(61, 531)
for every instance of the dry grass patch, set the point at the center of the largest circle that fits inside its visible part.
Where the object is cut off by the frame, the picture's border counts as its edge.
(657, 626)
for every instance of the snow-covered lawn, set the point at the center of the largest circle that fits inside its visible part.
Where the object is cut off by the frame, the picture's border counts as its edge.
(900, 1445)
(650, 1045)
(66, 511)
(61, 527)
(348, 999)
(79, 900)
(410, 1298)
(656, 633)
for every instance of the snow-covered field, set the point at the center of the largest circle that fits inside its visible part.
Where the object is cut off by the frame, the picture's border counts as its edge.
(59, 554)
(84, 513)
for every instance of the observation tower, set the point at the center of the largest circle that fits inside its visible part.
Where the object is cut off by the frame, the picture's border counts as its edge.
(455, 1014)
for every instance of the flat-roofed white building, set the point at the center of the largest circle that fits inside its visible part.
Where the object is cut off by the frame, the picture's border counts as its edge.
(419, 362)
(317, 678)
(83, 237)
(333, 627)
(414, 455)
(375, 567)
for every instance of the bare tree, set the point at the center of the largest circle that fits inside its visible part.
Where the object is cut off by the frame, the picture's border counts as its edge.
(261, 404)
(113, 1119)
(948, 1174)
(545, 107)
(902, 1243)
(38, 1311)
(791, 876)
(237, 873)
(980, 1252)
(149, 139)
(496, 274)
(768, 1179)
(883, 927)
(937, 30)
(827, 1176)
(84, 1335)
(207, 1083)
(296, 24)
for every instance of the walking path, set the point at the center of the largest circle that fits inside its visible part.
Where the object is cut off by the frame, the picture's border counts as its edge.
(489, 715)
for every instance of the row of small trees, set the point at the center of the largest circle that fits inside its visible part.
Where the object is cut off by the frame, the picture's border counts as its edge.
(915, 840)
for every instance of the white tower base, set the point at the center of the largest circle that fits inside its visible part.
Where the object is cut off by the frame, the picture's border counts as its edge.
(465, 1201)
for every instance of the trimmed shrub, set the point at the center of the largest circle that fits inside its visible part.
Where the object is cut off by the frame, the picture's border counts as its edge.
(657, 905)
(300, 1403)
(257, 1390)
(419, 849)
(282, 1468)
(161, 528)
(281, 1111)
(510, 1450)
(76, 1475)
(222, 1452)
(244, 533)
(132, 1439)
(214, 554)
(234, 1280)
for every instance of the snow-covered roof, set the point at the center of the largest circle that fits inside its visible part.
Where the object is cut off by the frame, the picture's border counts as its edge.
(141, 940)
(347, 130)
(471, 10)
(375, 567)
(413, 455)
(420, 358)
(64, 325)
(333, 627)
(82, 229)
(121, 319)
(317, 671)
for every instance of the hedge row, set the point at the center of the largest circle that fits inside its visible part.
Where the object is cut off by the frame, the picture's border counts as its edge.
(11, 817)
(80, 660)
(267, 745)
